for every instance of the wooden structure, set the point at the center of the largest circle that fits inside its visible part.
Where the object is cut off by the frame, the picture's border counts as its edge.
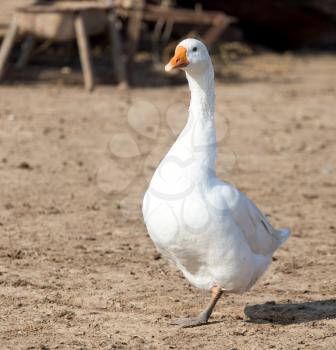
(64, 21)
(165, 16)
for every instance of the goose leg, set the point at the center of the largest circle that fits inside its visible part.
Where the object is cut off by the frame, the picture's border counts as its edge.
(203, 317)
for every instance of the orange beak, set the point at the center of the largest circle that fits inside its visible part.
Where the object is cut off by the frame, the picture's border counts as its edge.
(179, 60)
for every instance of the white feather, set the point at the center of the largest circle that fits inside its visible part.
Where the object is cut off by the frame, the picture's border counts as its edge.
(209, 229)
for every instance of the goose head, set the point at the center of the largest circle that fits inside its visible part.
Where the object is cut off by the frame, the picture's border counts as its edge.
(192, 56)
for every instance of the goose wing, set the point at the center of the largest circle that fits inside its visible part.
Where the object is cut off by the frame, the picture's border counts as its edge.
(261, 236)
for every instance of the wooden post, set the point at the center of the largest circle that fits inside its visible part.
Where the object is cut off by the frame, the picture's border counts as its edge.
(220, 22)
(117, 54)
(84, 52)
(26, 51)
(69, 51)
(156, 39)
(7, 45)
(133, 33)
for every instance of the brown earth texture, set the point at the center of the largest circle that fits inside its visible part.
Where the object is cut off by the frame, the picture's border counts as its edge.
(77, 268)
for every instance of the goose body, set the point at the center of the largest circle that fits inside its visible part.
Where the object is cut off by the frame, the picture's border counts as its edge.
(213, 233)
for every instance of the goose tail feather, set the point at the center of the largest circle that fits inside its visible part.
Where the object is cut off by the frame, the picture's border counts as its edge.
(282, 235)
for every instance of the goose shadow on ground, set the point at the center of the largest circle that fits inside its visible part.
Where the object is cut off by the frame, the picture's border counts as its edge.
(291, 313)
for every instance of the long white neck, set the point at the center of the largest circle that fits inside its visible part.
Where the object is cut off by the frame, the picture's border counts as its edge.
(199, 135)
(202, 88)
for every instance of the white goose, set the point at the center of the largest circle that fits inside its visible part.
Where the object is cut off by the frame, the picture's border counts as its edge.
(215, 235)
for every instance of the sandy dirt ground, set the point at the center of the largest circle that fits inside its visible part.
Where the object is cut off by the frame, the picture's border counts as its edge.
(77, 269)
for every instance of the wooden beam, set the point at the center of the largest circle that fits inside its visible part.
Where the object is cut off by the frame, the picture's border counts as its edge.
(219, 24)
(63, 6)
(84, 52)
(26, 51)
(152, 13)
(133, 35)
(7, 45)
(117, 52)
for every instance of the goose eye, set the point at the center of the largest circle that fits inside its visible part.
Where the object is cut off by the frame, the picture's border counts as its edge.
(194, 49)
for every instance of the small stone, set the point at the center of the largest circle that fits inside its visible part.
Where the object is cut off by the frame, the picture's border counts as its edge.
(25, 166)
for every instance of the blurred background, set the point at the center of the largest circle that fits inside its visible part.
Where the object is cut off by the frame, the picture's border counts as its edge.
(112, 39)
(86, 114)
